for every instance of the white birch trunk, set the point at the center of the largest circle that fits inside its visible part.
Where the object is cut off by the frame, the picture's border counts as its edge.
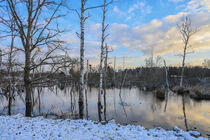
(102, 55)
(105, 65)
(81, 82)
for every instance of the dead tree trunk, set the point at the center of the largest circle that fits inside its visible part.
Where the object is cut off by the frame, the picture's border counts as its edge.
(86, 90)
(183, 63)
(166, 71)
(114, 77)
(167, 86)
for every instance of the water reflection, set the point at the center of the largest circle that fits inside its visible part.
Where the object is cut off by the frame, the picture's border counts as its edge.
(128, 106)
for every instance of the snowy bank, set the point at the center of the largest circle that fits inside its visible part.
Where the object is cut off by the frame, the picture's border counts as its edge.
(20, 127)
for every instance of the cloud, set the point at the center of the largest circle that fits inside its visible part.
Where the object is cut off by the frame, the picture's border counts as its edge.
(198, 6)
(118, 11)
(176, 0)
(163, 35)
(137, 5)
(143, 7)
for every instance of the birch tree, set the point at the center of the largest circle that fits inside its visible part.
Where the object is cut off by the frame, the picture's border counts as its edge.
(186, 30)
(103, 37)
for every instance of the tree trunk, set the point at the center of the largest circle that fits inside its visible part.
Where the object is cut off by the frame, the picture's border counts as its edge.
(81, 86)
(101, 58)
(166, 72)
(105, 71)
(86, 90)
(114, 77)
(167, 86)
(105, 66)
(10, 70)
(10, 99)
(39, 98)
(183, 63)
(27, 83)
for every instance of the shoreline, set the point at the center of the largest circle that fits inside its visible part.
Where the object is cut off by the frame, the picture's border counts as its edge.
(20, 127)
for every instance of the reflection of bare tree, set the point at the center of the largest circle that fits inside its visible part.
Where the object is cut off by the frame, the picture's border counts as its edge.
(86, 104)
(123, 104)
(120, 97)
(156, 104)
(36, 100)
(166, 99)
(39, 90)
(73, 100)
(184, 112)
(114, 98)
(99, 112)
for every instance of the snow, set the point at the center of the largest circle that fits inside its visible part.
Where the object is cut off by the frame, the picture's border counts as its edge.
(20, 127)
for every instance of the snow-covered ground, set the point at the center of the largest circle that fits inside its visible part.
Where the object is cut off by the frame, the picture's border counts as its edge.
(19, 127)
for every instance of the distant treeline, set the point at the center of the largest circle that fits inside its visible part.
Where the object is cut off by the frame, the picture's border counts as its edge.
(149, 78)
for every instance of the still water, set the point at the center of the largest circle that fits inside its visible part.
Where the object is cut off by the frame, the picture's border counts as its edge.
(131, 106)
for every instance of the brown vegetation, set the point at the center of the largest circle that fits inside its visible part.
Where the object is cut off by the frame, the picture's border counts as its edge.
(160, 93)
(199, 93)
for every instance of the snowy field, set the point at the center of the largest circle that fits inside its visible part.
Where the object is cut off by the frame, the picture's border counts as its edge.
(19, 127)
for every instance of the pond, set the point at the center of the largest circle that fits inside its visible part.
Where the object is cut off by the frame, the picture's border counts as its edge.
(131, 106)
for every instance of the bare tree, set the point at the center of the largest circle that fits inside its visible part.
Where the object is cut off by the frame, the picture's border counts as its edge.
(186, 30)
(10, 56)
(38, 31)
(103, 37)
(8, 28)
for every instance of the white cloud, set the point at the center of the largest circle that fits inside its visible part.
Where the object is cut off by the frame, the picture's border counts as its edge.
(176, 0)
(143, 7)
(162, 34)
(198, 6)
(138, 5)
(118, 11)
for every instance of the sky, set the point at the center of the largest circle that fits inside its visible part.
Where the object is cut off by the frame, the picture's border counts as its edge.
(139, 27)
(136, 27)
